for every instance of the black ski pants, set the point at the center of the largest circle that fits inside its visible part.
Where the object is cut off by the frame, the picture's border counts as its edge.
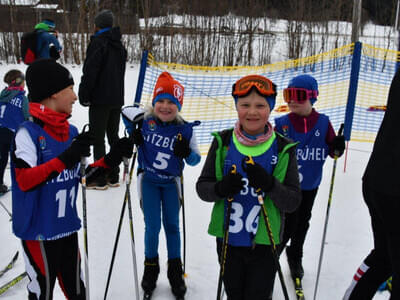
(249, 272)
(103, 120)
(384, 259)
(47, 261)
(297, 225)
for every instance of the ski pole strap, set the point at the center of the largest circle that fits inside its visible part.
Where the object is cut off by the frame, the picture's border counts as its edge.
(233, 171)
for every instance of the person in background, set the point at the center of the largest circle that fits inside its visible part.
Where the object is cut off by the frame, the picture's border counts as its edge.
(47, 44)
(316, 140)
(166, 142)
(13, 111)
(102, 89)
(249, 261)
(381, 192)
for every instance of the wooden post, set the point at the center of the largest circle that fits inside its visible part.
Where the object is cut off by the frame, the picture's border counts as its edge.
(356, 20)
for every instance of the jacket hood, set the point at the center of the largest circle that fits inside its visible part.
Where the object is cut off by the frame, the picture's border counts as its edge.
(6, 95)
(113, 36)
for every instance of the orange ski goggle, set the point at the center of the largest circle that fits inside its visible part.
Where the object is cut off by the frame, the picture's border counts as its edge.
(244, 85)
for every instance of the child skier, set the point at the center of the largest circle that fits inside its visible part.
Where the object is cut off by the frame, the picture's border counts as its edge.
(13, 111)
(249, 267)
(316, 139)
(45, 177)
(165, 141)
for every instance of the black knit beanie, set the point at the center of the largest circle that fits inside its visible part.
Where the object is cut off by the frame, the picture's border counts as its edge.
(104, 19)
(45, 77)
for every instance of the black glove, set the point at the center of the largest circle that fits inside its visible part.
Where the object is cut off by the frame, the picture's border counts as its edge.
(338, 145)
(229, 186)
(137, 137)
(259, 177)
(122, 148)
(79, 147)
(181, 148)
(53, 52)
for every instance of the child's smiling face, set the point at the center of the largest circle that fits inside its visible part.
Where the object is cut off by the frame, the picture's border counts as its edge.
(253, 113)
(165, 110)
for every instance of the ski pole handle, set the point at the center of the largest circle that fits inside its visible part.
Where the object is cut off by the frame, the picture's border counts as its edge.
(340, 132)
(126, 168)
(250, 161)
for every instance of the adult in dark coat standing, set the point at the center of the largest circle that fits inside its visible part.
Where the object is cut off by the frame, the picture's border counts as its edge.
(381, 191)
(102, 88)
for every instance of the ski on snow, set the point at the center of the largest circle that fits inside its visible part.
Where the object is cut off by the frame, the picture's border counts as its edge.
(10, 265)
(298, 288)
(12, 282)
(147, 296)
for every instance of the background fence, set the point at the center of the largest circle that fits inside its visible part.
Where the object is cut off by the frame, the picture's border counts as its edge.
(354, 81)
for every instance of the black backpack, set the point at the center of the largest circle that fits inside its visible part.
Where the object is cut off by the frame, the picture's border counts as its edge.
(28, 47)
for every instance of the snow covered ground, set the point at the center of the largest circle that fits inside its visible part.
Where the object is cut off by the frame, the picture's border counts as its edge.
(349, 237)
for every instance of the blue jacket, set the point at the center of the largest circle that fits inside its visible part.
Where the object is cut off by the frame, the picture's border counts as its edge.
(44, 40)
(14, 108)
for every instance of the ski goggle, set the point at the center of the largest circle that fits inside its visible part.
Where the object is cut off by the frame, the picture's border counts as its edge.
(298, 94)
(244, 85)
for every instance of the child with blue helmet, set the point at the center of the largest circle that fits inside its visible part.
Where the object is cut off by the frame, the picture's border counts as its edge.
(316, 140)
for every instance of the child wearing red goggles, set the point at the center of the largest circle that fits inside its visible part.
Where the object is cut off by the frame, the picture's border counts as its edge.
(316, 140)
(299, 95)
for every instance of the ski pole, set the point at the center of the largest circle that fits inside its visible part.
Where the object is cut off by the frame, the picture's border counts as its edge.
(128, 184)
(327, 216)
(85, 231)
(184, 226)
(5, 208)
(10, 264)
(225, 242)
(249, 160)
(120, 223)
(179, 137)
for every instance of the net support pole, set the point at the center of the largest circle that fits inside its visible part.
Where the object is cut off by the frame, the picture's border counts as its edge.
(142, 73)
(352, 94)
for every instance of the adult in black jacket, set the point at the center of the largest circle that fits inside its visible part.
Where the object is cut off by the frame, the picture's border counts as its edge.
(102, 88)
(381, 191)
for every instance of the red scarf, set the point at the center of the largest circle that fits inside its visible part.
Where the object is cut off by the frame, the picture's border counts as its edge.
(54, 123)
(15, 88)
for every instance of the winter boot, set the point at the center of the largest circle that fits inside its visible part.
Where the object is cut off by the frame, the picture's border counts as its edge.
(295, 265)
(97, 183)
(113, 178)
(3, 189)
(150, 274)
(175, 277)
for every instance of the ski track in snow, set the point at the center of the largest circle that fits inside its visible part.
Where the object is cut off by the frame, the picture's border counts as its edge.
(348, 241)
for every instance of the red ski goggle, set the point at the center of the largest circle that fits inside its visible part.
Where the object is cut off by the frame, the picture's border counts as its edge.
(244, 85)
(298, 94)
